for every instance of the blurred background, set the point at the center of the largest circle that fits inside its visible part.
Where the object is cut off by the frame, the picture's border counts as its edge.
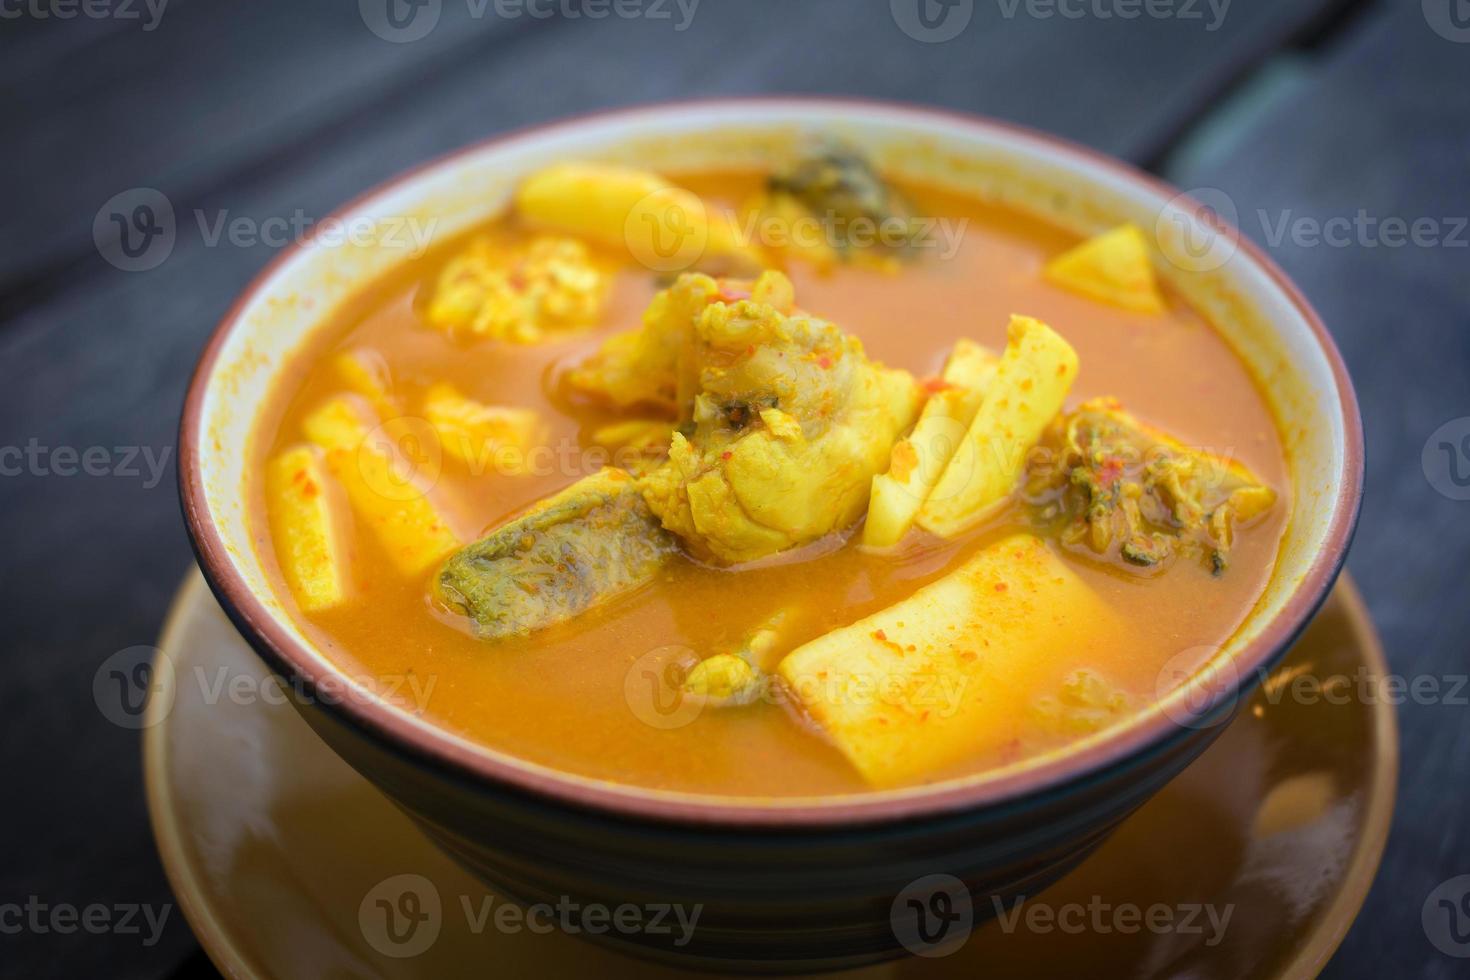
(1338, 130)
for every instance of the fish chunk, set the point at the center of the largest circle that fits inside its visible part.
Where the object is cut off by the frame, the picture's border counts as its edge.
(642, 367)
(790, 421)
(1117, 489)
(592, 542)
(520, 293)
(862, 215)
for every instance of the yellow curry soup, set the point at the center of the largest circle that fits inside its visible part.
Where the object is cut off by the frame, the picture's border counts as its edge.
(829, 588)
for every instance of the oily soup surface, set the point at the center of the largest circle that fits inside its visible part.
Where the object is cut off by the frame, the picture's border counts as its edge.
(564, 697)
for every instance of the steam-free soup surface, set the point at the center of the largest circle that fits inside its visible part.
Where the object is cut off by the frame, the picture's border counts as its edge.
(581, 697)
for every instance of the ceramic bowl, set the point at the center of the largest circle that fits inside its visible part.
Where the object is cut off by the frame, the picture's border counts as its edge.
(801, 884)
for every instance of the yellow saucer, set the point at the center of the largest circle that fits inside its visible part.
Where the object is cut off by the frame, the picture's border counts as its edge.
(278, 852)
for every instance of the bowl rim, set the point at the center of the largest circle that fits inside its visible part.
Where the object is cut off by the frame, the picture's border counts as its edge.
(430, 744)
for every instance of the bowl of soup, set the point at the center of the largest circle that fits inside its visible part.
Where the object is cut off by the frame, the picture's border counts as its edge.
(812, 516)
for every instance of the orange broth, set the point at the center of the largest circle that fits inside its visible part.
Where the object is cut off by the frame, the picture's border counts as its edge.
(559, 697)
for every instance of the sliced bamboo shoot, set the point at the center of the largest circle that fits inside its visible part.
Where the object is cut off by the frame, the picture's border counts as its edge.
(311, 543)
(947, 674)
(916, 462)
(1035, 373)
(388, 489)
(1112, 268)
(665, 227)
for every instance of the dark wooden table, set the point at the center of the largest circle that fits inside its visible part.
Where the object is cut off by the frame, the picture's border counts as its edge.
(1301, 111)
